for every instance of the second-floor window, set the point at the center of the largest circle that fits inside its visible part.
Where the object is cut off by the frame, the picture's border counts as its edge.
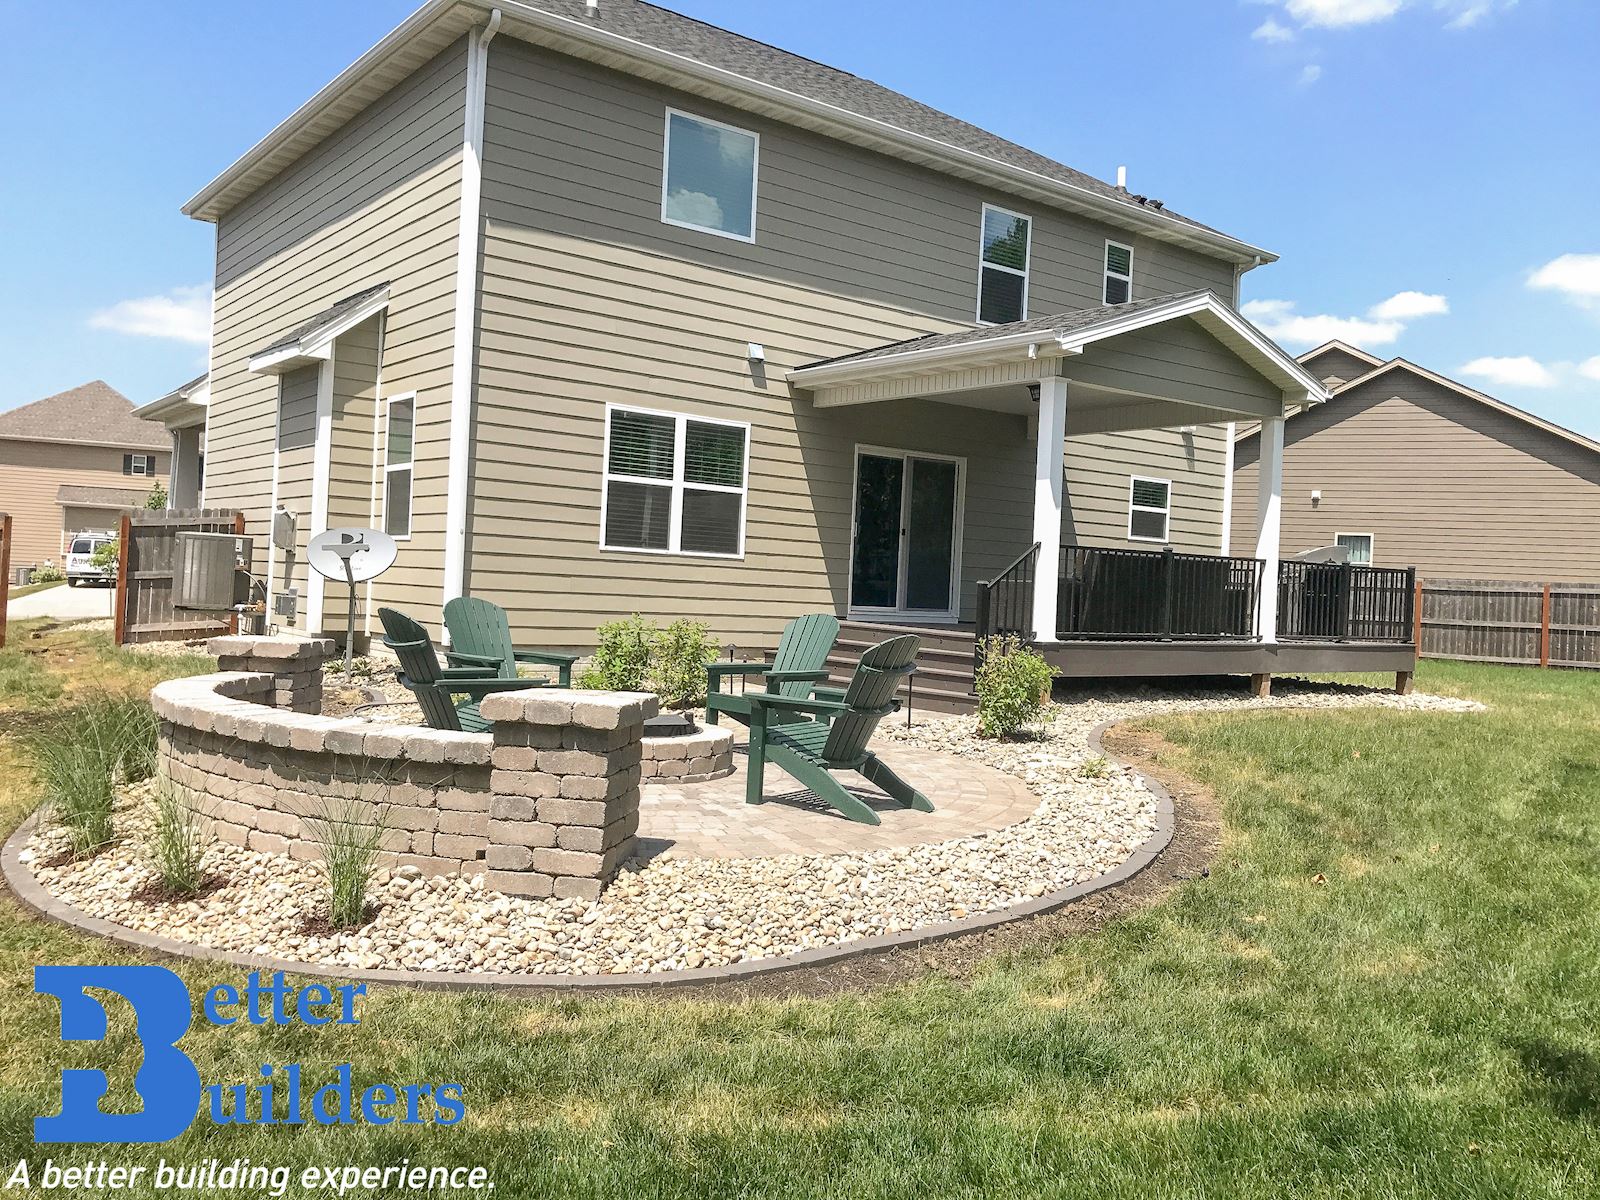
(1119, 273)
(709, 177)
(138, 464)
(1003, 266)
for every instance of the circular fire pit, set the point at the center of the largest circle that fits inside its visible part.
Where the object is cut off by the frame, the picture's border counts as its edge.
(676, 749)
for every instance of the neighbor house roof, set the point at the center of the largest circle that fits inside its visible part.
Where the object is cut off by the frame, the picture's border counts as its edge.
(1346, 347)
(1460, 389)
(95, 414)
(80, 495)
(664, 46)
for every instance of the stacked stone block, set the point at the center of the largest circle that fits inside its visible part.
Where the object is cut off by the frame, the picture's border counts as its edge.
(295, 665)
(701, 756)
(564, 808)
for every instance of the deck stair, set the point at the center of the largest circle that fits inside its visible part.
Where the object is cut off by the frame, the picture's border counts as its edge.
(943, 682)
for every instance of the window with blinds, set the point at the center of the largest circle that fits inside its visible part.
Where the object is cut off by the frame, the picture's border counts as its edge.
(1149, 509)
(1358, 544)
(397, 469)
(1003, 266)
(1119, 273)
(674, 484)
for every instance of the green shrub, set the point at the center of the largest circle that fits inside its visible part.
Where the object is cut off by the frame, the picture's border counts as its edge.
(621, 656)
(49, 573)
(678, 658)
(1013, 686)
(84, 757)
(348, 828)
(157, 499)
(179, 835)
(1095, 768)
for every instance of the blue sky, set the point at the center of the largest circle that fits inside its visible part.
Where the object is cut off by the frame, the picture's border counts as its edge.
(1428, 169)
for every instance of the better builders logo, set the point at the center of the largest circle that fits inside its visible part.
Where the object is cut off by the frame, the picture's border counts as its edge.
(169, 1084)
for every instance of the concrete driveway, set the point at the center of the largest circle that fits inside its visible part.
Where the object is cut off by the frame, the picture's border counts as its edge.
(63, 604)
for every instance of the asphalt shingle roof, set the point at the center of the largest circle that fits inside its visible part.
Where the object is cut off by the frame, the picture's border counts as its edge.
(95, 413)
(89, 496)
(326, 317)
(1057, 325)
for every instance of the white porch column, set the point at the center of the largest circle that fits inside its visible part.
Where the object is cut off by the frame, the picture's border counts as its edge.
(1047, 469)
(1269, 506)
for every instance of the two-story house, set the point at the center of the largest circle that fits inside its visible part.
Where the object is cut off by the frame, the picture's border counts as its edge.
(72, 462)
(601, 309)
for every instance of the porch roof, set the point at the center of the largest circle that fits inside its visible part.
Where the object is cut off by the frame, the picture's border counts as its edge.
(985, 366)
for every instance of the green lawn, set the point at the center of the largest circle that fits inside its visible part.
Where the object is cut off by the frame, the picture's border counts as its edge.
(28, 589)
(1387, 987)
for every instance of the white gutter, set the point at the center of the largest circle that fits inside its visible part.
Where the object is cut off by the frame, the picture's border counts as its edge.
(321, 470)
(469, 238)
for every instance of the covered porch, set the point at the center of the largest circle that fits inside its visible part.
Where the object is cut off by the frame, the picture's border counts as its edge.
(1173, 362)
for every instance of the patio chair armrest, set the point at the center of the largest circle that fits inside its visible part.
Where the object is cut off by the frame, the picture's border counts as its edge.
(453, 673)
(547, 658)
(829, 693)
(718, 669)
(794, 676)
(463, 659)
(479, 688)
(766, 701)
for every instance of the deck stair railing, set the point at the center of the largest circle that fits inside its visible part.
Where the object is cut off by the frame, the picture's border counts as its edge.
(1346, 602)
(1005, 603)
(1156, 595)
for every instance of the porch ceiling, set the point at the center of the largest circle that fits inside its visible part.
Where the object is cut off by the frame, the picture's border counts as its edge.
(1172, 360)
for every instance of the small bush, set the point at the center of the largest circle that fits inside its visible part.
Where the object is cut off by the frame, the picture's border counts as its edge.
(349, 830)
(105, 556)
(49, 573)
(157, 499)
(82, 759)
(1013, 686)
(177, 840)
(678, 658)
(621, 656)
(1095, 768)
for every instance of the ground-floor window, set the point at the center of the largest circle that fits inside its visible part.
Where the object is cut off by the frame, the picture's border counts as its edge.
(397, 465)
(1358, 544)
(674, 484)
(1149, 509)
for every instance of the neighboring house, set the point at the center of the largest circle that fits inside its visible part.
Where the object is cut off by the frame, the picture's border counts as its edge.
(183, 413)
(1407, 468)
(602, 309)
(75, 461)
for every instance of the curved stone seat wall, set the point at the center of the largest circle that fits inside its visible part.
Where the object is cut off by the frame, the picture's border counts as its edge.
(548, 804)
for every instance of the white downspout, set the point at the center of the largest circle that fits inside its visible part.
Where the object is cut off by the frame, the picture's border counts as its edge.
(469, 239)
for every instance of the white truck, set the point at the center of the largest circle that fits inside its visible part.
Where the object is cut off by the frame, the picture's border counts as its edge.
(80, 559)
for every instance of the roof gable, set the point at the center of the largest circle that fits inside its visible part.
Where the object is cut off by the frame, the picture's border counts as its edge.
(94, 414)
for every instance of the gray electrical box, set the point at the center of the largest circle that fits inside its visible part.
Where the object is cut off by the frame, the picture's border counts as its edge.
(212, 571)
(284, 527)
(286, 604)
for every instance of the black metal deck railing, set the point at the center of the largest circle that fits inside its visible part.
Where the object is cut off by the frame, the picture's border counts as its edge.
(1343, 602)
(1005, 603)
(1156, 594)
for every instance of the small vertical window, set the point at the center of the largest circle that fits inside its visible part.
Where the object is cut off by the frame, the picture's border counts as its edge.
(138, 464)
(397, 469)
(709, 177)
(1358, 544)
(1149, 509)
(1003, 266)
(674, 484)
(1119, 273)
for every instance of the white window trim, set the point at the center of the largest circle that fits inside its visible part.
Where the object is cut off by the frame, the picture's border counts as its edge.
(1166, 512)
(1108, 274)
(985, 265)
(676, 483)
(411, 493)
(946, 616)
(666, 169)
(1372, 544)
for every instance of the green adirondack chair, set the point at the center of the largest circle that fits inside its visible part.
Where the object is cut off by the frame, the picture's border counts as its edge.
(835, 739)
(436, 687)
(480, 636)
(794, 672)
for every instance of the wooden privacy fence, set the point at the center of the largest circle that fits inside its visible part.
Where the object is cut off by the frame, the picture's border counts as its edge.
(1506, 621)
(5, 573)
(147, 571)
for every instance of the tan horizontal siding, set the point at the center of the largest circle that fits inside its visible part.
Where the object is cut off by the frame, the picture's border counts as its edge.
(32, 475)
(1442, 482)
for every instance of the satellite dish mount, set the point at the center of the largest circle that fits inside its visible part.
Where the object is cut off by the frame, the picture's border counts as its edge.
(351, 556)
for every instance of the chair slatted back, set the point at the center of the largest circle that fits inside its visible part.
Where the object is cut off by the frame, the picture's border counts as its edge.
(419, 668)
(804, 646)
(480, 627)
(870, 696)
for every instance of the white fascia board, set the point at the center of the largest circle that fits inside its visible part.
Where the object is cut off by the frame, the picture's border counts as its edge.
(285, 359)
(833, 374)
(317, 346)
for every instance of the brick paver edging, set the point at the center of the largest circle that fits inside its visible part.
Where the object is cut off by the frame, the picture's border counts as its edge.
(34, 896)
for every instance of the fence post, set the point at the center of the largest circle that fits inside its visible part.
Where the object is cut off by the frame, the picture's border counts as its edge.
(1341, 602)
(1418, 595)
(1544, 629)
(238, 528)
(1169, 564)
(5, 573)
(120, 616)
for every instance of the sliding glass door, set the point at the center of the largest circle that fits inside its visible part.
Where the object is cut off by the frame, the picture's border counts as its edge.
(905, 558)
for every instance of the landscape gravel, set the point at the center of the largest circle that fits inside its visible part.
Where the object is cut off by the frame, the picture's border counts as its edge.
(669, 914)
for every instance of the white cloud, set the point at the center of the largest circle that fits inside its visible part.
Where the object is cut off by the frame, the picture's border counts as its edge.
(1516, 371)
(1383, 323)
(1408, 306)
(1335, 14)
(1577, 276)
(1271, 30)
(1309, 74)
(695, 208)
(1590, 368)
(1467, 13)
(182, 315)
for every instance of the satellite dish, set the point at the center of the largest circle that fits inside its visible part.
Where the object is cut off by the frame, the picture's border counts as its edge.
(351, 555)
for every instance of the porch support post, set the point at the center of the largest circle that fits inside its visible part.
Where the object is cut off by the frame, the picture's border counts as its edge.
(1269, 506)
(1047, 472)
